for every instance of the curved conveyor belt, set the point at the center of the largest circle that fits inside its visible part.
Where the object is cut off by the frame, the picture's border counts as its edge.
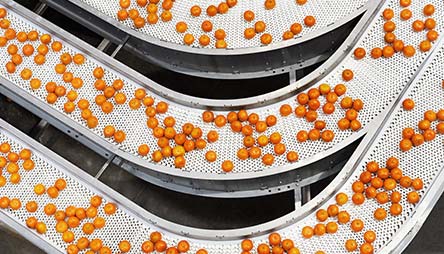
(243, 58)
(134, 224)
(384, 77)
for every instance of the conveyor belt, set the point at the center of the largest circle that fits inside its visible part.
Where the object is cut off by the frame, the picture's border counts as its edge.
(393, 75)
(134, 224)
(244, 58)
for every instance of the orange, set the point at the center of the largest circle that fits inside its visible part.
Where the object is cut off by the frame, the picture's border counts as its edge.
(332, 227)
(39, 189)
(247, 245)
(53, 192)
(259, 26)
(292, 156)
(395, 197)
(405, 145)
(50, 209)
(60, 184)
(389, 26)
(263, 249)
(110, 208)
(227, 166)
(432, 35)
(343, 217)
(388, 14)
(68, 236)
(359, 53)
(73, 222)
(319, 229)
(389, 37)
(31, 206)
(395, 209)
(380, 214)
(60, 215)
(274, 239)
(95, 245)
(366, 248)
(15, 204)
(417, 139)
(425, 46)
(418, 25)
(369, 236)
(406, 14)
(88, 228)
(82, 243)
(327, 135)
(358, 186)
(332, 210)
(302, 136)
(296, 28)
(10, 67)
(31, 222)
(195, 11)
(376, 53)
(408, 104)
(357, 225)
(40, 227)
(99, 222)
(430, 23)
(124, 246)
(388, 51)
(322, 215)
(309, 21)
(413, 197)
(4, 202)
(351, 245)
(417, 184)
(147, 247)
(409, 51)
(358, 198)
(160, 246)
(307, 232)
(347, 75)
(429, 9)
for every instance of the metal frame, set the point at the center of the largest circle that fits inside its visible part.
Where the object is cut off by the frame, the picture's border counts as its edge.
(282, 57)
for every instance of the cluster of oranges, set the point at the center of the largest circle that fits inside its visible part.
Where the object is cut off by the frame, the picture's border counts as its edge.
(152, 9)
(374, 183)
(377, 182)
(426, 133)
(309, 105)
(189, 139)
(11, 162)
(72, 217)
(249, 124)
(275, 245)
(155, 243)
(394, 44)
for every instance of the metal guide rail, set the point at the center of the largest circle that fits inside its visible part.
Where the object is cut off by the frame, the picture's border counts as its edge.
(392, 75)
(244, 58)
(134, 224)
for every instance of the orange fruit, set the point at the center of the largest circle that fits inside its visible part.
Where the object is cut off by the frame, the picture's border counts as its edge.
(50, 209)
(351, 245)
(380, 214)
(110, 208)
(357, 225)
(343, 217)
(307, 232)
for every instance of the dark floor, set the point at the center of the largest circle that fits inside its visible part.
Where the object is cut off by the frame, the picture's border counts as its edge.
(203, 212)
